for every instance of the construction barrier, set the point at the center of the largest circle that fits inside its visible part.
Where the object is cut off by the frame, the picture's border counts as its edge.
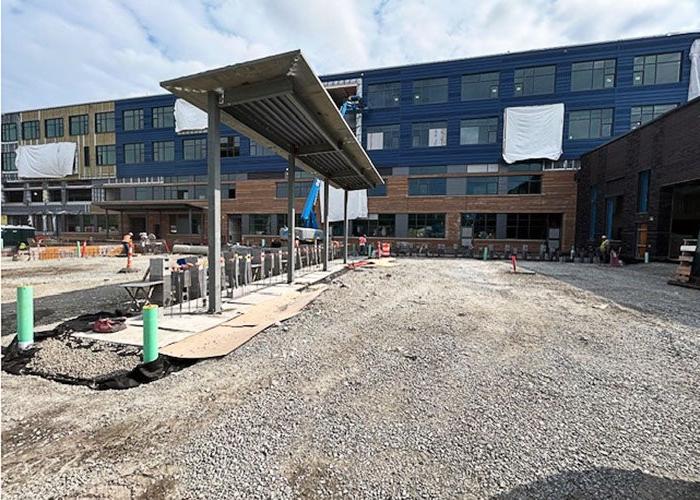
(50, 253)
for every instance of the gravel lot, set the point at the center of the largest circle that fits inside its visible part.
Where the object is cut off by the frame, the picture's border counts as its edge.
(433, 378)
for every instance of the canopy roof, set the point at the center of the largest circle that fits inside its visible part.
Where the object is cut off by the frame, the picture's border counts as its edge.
(280, 103)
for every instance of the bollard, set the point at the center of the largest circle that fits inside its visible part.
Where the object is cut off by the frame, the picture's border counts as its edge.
(486, 253)
(77, 244)
(150, 333)
(25, 317)
(646, 257)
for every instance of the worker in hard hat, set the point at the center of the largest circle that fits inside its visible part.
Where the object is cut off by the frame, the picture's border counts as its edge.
(604, 249)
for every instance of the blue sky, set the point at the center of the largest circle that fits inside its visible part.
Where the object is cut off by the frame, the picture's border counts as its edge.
(57, 52)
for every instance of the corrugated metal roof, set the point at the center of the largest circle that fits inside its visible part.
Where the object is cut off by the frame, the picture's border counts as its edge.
(279, 102)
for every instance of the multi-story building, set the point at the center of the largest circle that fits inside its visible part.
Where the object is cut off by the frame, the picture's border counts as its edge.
(434, 131)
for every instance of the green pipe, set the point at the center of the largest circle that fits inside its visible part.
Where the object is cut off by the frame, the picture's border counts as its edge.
(150, 333)
(77, 244)
(25, 316)
(486, 253)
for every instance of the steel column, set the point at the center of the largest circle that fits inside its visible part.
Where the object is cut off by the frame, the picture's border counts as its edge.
(326, 224)
(291, 261)
(345, 226)
(214, 201)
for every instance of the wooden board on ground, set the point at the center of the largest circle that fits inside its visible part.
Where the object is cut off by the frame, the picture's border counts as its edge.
(225, 338)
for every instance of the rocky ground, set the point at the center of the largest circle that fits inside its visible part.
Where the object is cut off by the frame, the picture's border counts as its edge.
(434, 378)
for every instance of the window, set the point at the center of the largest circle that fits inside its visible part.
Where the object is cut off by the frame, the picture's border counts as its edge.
(230, 146)
(260, 224)
(194, 149)
(30, 130)
(524, 184)
(106, 155)
(36, 195)
(430, 91)
(486, 168)
(259, 150)
(55, 195)
(383, 137)
(643, 191)
(483, 225)
(427, 170)
(639, 115)
(9, 132)
(8, 161)
(590, 124)
(482, 185)
(383, 95)
(593, 223)
(133, 119)
(79, 194)
(525, 166)
(230, 191)
(656, 69)
(163, 117)
(14, 196)
(429, 134)
(480, 131)
(534, 81)
(301, 189)
(427, 186)
(426, 225)
(379, 190)
(526, 226)
(78, 125)
(480, 86)
(376, 225)
(53, 127)
(86, 156)
(133, 153)
(104, 122)
(144, 193)
(593, 75)
(164, 151)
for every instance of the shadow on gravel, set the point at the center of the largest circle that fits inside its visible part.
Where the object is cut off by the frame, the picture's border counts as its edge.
(53, 308)
(605, 483)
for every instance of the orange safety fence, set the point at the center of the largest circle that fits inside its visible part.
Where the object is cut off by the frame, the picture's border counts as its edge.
(49, 253)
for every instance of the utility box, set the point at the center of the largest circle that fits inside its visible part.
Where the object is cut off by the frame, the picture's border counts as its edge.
(159, 270)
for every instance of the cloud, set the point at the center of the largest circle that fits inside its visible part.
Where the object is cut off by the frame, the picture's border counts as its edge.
(56, 53)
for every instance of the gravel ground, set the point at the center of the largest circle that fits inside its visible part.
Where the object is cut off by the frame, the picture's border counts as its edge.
(442, 378)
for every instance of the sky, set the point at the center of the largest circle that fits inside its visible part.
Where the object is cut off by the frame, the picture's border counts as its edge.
(57, 52)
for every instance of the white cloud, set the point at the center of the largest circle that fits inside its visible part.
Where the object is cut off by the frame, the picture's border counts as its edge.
(56, 53)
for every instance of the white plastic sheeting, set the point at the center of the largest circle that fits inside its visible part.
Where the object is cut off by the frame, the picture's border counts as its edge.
(694, 56)
(357, 204)
(531, 132)
(45, 160)
(189, 118)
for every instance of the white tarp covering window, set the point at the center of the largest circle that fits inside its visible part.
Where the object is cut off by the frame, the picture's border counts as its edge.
(357, 204)
(694, 86)
(189, 118)
(45, 160)
(531, 132)
(437, 137)
(375, 140)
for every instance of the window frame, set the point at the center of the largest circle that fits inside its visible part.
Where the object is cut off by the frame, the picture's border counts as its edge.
(490, 181)
(427, 186)
(108, 150)
(139, 152)
(490, 124)
(604, 122)
(643, 185)
(641, 68)
(654, 113)
(418, 128)
(481, 82)
(609, 69)
(104, 122)
(79, 122)
(424, 89)
(393, 131)
(33, 125)
(390, 92)
(135, 120)
(528, 79)
(56, 125)
(163, 114)
(421, 221)
(226, 146)
(530, 181)
(157, 147)
(194, 149)
(6, 127)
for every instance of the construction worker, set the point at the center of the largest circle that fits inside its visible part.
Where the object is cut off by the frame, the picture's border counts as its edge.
(604, 249)
(126, 241)
(362, 240)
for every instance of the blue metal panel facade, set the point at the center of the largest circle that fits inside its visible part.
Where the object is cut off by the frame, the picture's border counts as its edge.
(621, 98)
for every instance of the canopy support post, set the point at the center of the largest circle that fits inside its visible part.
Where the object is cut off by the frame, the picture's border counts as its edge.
(326, 224)
(345, 226)
(214, 201)
(291, 233)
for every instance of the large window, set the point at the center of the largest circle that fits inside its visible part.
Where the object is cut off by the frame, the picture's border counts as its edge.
(643, 191)
(163, 117)
(375, 226)
(590, 124)
(260, 223)
(480, 86)
(30, 130)
(534, 81)
(78, 125)
(53, 127)
(106, 155)
(379, 190)
(301, 189)
(480, 131)
(383, 95)
(133, 153)
(9, 132)
(426, 225)
(430, 134)
(593, 75)
(482, 185)
(8, 161)
(427, 186)
(383, 137)
(164, 151)
(133, 119)
(259, 150)
(104, 122)
(657, 68)
(524, 184)
(639, 115)
(194, 149)
(230, 146)
(526, 226)
(430, 91)
(483, 225)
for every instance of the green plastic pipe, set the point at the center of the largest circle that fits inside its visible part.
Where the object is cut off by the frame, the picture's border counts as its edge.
(25, 316)
(486, 253)
(150, 333)
(77, 244)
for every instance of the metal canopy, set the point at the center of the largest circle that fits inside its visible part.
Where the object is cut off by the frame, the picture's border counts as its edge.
(280, 103)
